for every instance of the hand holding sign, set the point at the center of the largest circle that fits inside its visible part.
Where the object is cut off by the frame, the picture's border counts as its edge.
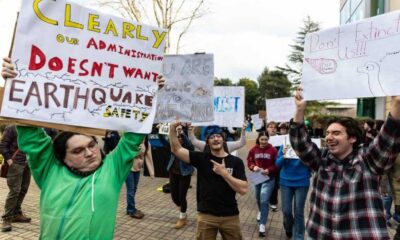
(8, 70)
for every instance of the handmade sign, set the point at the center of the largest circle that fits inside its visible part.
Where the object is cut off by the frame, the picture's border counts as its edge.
(80, 67)
(353, 60)
(188, 91)
(257, 121)
(228, 107)
(280, 109)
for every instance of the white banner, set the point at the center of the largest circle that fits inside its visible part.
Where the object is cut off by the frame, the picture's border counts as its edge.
(77, 66)
(353, 60)
(280, 109)
(228, 107)
(257, 121)
(188, 91)
(279, 140)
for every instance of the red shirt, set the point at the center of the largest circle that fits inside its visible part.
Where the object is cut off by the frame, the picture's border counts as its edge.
(263, 158)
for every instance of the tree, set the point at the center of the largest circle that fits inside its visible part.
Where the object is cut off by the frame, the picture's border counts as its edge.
(294, 67)
(176, 16)
(223, 82)
(273, 84)
(252, 94)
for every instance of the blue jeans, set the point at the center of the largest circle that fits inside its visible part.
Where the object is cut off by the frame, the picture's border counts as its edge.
(263, 194)
(387, 205)
(294, 196)
(131, 186)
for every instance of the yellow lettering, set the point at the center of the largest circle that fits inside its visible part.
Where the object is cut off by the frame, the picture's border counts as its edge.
(127, 29)
(159, 38)
(93, 24)
(68, 22)
(40, 15)
(111, 27)
(139, 33)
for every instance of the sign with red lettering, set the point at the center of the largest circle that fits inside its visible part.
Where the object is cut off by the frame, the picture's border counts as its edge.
(80, 67)
(188, 91)
(353, 60)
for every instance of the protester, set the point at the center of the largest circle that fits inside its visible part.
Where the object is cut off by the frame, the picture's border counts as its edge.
(272, 128)
(132, 182)
(369, 132)
(219, 177)
(283, 128)
(180, 174)
(79, 187)
(230, 146)
(294, 183)
(111, 140)
(345, 200)
(18, 179)
(261, 158)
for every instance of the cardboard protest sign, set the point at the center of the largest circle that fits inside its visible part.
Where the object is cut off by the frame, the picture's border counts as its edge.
(228, 107)
(290, 153)
(353, 60)
(280, 109)
(188, 91)
(79, 67)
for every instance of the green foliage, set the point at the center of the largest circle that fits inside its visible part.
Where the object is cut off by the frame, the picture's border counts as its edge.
(223, 82)
(274, 84)
(295, 58)
(252, 94)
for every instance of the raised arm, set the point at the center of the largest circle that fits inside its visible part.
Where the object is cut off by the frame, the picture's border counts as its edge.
(232, 146)
(382, 153)
(176, 147)
(198, 144)
(301, 142)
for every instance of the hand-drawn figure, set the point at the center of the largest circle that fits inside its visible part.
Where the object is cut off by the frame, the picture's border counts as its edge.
(372, 70)
(323, 65)
(200, 92)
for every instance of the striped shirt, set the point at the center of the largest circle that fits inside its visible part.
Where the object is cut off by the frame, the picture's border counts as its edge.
(345, 199)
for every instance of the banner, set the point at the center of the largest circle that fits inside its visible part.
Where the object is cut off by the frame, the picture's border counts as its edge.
(228, 107)
(80, 67)
(280, 109)
(257, 121)
(353, 60)
(279, 140)
(188, 91)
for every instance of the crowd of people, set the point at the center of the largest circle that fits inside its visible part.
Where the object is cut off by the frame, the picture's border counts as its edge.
(355, 177)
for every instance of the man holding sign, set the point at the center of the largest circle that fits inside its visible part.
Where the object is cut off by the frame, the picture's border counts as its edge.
(345, 200)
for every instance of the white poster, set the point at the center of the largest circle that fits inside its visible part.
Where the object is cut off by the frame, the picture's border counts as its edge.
(280, 109)
(257, 121)
(188, 92)
(228, 107)
(80, 67)
(353, 60)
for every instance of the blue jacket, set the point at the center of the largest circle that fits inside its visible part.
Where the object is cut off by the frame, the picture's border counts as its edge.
(186, 169)
(293, 172)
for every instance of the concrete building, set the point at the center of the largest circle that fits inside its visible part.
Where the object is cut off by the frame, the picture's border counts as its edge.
(354, 10)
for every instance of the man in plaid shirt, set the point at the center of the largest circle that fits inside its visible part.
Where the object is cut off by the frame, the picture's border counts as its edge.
(345, 199)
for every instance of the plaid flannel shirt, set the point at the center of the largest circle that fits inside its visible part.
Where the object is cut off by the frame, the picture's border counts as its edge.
(345, 199)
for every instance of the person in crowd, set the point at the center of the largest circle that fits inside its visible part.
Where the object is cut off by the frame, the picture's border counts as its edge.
(394, 180)
(261, 158)
(283, 128)
(219, 177)
(132, 182)
(80, 187)
(249, 125)
(111, 140)
(231, 146)
(180, 174)
(294, 183)
(369, 132)
(345, 200)
(18, 179)
(272, 130)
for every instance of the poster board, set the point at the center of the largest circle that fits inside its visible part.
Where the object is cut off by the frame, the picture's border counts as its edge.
(228, 107)
(354, 60)
(94, 71)
(188, 91)
(280, 109)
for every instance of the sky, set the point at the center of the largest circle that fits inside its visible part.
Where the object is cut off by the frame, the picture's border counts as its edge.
(245, 36)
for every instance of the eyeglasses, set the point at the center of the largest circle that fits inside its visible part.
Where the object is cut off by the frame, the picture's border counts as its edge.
(215, 136)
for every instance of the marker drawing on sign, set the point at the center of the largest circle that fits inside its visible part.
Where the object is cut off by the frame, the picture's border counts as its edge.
(372, 69)
(323, 65)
